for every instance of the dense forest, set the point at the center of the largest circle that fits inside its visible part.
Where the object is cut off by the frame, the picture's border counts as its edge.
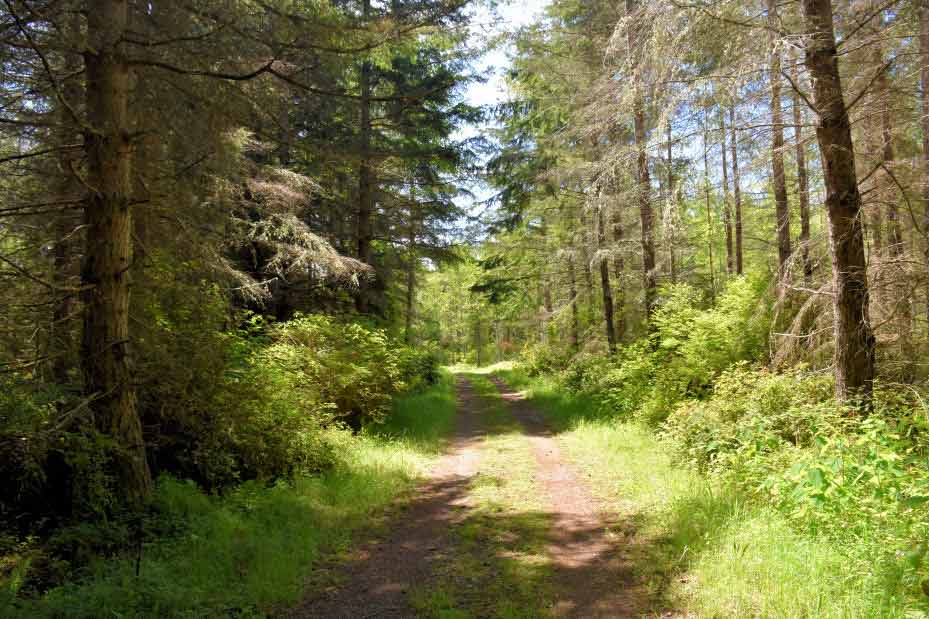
(292, 325)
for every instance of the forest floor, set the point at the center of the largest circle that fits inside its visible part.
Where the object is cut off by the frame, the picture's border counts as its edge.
(504, 526)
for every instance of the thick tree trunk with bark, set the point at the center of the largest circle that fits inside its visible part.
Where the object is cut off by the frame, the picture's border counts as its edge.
(605, 281)
(644, 184)
(108, 250)
(736, 192)
(778, 180)
(854, 340)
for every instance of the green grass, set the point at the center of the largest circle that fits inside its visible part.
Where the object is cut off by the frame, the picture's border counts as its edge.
(422, 420)
(498, 566)
(702, 548)
(250, 552)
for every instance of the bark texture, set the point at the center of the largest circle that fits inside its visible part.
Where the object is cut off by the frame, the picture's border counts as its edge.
(108, 249)
(854, 339)
(778, 180)
(644, 184)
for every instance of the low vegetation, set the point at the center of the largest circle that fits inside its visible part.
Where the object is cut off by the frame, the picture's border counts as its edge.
(758, 495)
(294, 481)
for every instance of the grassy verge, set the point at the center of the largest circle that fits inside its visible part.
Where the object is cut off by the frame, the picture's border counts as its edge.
(497, 566)
(704, 549)
(250, 552)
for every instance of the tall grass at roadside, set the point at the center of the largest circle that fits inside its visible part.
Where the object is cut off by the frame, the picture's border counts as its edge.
(250, 552)
(702, 546)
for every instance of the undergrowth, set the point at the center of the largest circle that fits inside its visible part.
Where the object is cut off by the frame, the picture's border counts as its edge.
(763, 496)
(710, 547)
(249, 552)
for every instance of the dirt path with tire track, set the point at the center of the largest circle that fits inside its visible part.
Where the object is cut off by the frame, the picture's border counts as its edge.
(590, 572)
(379, 576)
(593, 576)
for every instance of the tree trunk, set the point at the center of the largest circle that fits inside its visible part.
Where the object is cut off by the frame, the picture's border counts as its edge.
(672, 208)
(803, 182)
(574, 336)
(709, 213)
(736, 192)
(365, 230)
(727, 211)
(605, 282)
(644, 183)
(782, 209)
(410, 281)
(924, 122)
(108, 250)
(854, 340)
(619, 267)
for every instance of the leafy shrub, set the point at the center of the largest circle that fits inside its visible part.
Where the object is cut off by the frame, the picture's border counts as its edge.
(782, 442)
(541, 358)
(752, 412)
(622, 385)
(419, 368)
(53, 462)
(694, 345)
(349, 369)
(278, 388)
(25, 417)
(685, 352)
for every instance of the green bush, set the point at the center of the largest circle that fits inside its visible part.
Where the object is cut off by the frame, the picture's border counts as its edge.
(352, 372)
(782, 442)
(279, 387)
(752, 412)
(419, 367)
(543, 358)
(685, 352)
